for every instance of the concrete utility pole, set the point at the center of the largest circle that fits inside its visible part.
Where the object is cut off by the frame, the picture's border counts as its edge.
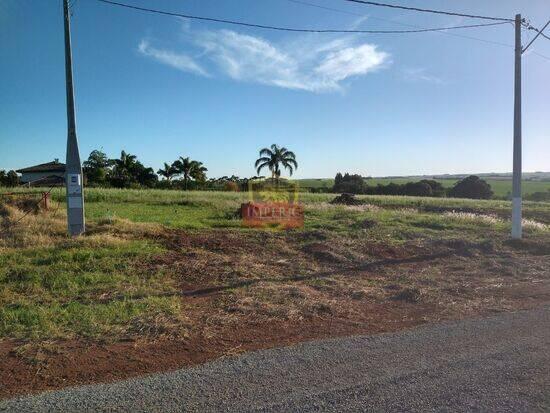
(73, 172)
(516, 179)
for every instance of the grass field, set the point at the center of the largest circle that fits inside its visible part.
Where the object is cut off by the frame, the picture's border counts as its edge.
(206, 209)
(176, 270)
(501, 187)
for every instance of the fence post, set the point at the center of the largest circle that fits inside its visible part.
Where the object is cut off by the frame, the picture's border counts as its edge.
(46, 199)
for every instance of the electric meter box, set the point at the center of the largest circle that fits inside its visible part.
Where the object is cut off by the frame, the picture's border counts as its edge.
(74, 185)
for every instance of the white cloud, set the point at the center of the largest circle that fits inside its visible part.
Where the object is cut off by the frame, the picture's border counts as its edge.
(420, 75)
(245, 57)
(306, 63)
(358, 22)
(351, 61)
(179, 61)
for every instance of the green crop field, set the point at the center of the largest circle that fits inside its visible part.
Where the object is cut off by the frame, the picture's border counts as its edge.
(501, 187)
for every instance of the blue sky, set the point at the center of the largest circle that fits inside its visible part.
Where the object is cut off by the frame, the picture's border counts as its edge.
(377, 105)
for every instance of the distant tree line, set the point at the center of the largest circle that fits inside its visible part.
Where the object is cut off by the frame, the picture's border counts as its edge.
(9, 178)
(469, 187)
(128, 172)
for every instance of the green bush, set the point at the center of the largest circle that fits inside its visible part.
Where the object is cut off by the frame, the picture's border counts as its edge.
(471, 187)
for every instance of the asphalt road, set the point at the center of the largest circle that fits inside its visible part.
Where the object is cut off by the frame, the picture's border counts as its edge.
(500, 363)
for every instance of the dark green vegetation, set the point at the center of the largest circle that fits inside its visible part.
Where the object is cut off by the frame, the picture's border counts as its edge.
(471, 187)
(8, 179)
(128, 172)
(535, 190)
(184, 173)
(356, 184)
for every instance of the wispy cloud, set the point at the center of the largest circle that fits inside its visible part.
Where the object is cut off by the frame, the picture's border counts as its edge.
(351, 61)
(420, 75)
(308, 63)
(178, 61)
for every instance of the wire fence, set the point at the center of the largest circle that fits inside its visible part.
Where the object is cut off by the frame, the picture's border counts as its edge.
(44, 201)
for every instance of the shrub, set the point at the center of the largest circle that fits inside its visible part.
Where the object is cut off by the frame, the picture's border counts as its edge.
(410, 188)
(9, 179)
(417, 189)
(231, 186)
(471, 187)
(538, 196)
(438, 190)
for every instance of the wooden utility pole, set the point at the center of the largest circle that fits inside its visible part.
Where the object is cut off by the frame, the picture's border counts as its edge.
(73, 172)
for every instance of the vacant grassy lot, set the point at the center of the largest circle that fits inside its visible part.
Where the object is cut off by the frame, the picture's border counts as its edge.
(168, 278)
(501, 187)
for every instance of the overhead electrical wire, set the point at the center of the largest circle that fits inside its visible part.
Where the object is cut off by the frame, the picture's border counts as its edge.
(442, 30)
(305, 3)
(290, 29)
(526, 25)
(399, 23)
(541, 55)
(529, 27)
(417, 9)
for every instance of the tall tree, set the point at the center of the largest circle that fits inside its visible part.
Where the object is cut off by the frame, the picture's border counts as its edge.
(126, 162)
(96, 167)
(190, 169)
(471, 187)
(198, 173)
(167, 171)
(9, 179)
(123, 171)
(273, 158)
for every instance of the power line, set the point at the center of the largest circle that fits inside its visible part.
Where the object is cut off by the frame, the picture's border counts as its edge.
(539, 31)
(541, 55)
(305, 3)
(399, 23)
(448, 13)
(291, 29)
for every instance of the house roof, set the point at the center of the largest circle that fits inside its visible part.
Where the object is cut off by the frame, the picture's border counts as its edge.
(54, 166)
(47, 181)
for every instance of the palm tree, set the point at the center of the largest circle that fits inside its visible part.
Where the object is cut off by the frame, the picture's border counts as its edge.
(126, 162)
(123, 170)
(190, 169)
(124, 166)
(272, 158)
(168, 171)
(198, 172)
